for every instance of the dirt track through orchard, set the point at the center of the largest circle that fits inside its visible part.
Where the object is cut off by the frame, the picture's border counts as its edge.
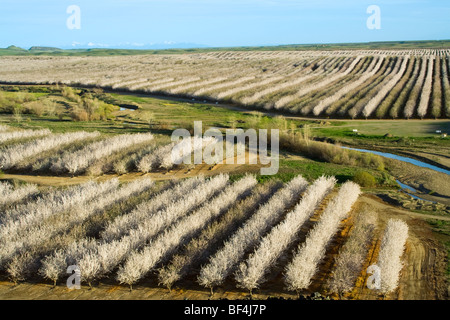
(423, 276)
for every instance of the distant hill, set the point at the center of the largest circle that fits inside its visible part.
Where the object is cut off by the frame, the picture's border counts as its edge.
(139, 46)
(47, 49)
(15, 48)
(175, 48)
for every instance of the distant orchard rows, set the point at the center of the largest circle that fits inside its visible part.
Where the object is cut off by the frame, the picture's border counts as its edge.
(82, 152)
(345, 84)
(213, 229)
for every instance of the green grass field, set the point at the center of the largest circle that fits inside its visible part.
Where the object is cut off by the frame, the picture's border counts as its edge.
(374, 128)
(173, 113)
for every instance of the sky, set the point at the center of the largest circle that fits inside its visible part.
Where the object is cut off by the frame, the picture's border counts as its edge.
(217, 23)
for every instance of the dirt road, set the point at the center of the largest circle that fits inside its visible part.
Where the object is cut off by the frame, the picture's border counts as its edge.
(423, 276)
(179, 173)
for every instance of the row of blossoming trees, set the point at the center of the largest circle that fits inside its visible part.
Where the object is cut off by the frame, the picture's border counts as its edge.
(215, 229)
(349, 84)
(77, 153)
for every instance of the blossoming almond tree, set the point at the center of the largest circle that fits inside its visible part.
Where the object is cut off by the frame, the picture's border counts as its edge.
(375, 101)
(108, 254)
(29, 254)
(12, 155)
(426, 90)
(251, 272)
(139, 263)
(211, 237)
(372, 70)
(351, 257)
(15, 221)
(299, 272)
(14, 135)
(123, 224)
(410, 106)
(29, 228)
(391, 251)
(223, 262)
(9, 195)
(75, 162)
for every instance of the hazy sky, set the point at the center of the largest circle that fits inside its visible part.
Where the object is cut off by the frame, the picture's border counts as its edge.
(219, 22)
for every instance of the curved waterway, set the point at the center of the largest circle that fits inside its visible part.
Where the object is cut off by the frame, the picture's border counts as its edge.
(405, 188)
(404, 159)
